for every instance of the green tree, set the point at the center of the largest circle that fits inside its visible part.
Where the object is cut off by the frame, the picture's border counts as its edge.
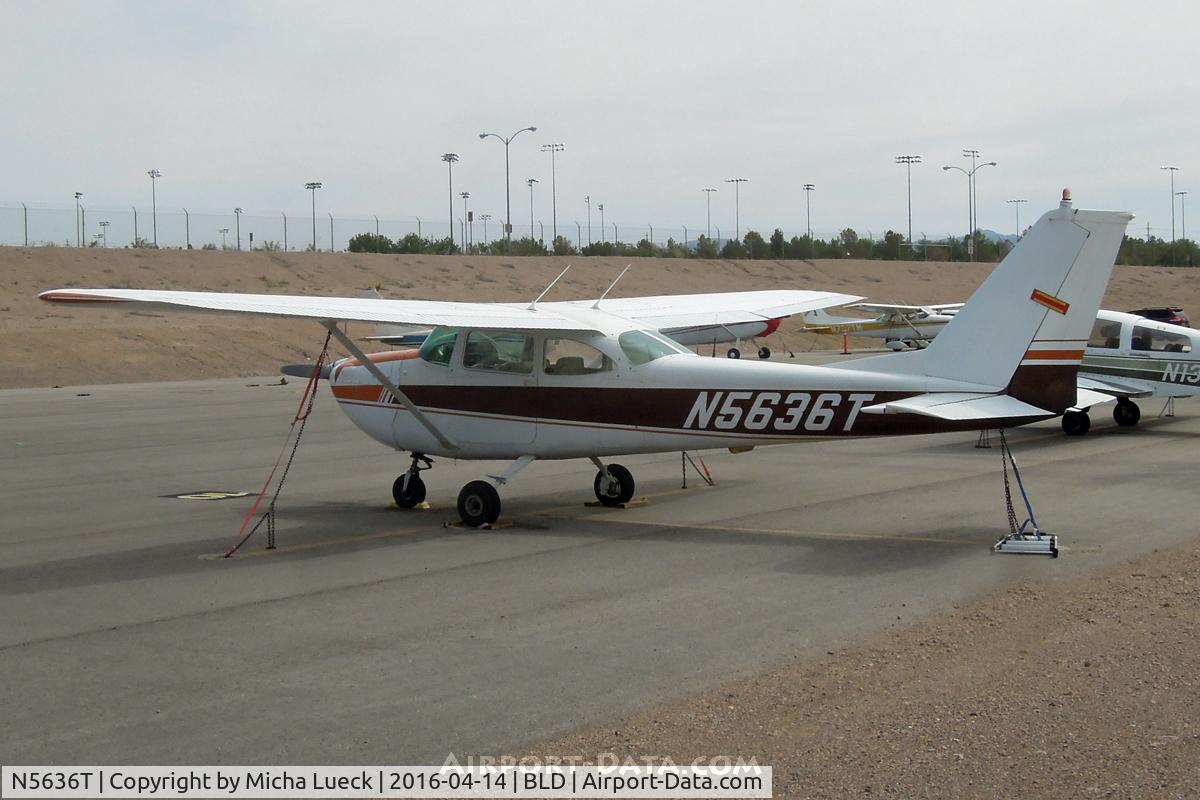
(562, 246)
(733, 249)
(370, 243)
(706, 248)
(777, 244)
(755, 245)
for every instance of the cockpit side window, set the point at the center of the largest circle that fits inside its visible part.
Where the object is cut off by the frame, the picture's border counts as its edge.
(1105, 334)
(642, 347)
(1146, 338)
(573, 357)
(439, 345)
(500, 351)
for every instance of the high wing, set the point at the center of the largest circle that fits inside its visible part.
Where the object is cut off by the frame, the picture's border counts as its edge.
(938, 307)
(668, 312)
(419, 313)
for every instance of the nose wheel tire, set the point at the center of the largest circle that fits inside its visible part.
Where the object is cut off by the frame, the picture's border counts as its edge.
(408, 496)
(1126, 413)
(1075, 423)
(615, 491)
(764, 352)
(478, 504)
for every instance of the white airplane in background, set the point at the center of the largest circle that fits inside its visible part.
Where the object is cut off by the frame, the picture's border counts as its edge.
(900, 327)
(1129, 356)
(586, 379)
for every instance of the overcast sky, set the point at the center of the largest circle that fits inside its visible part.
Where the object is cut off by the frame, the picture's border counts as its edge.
(240, 103)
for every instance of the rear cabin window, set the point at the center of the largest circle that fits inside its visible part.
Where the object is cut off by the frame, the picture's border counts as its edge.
(1105, 334)
(499, 351)
(439, 345)
(572, 357)
(641, 347)
(1154, 340)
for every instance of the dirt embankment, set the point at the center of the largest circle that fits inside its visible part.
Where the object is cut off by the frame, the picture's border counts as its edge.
(1085, 688)
(46, 345)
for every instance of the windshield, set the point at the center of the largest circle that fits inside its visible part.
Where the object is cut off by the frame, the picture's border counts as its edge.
(642, 347)
(439, 345)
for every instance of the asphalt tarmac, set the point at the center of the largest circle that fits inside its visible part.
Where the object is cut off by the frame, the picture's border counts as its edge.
(372, 635)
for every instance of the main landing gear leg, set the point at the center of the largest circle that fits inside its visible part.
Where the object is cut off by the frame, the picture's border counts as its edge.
(479, 502)
(614, 484)
(409, 490)
(1025, 537)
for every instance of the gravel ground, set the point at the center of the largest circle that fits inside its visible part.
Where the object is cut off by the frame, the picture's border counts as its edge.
(1087, 687)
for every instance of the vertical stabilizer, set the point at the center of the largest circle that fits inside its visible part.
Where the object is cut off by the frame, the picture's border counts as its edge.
(1026, 326)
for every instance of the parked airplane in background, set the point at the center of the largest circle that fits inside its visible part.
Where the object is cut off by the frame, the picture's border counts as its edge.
(596, 379)
(1129, 356)
(900, 327)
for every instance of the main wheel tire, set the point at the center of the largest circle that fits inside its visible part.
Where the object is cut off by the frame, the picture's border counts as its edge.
(733, 352)
(478, 504)
(619, 490)
(764, 352)
(410, 496)
(1126, 413)
(1076, 423)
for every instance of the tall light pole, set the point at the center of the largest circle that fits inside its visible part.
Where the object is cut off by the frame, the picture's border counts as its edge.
(224, 244)
(450, 158)
(737, 202)
(971, 200)
(237, 212)
(601, 207)
(1182, 214)
(104, 231)
(908, 161)
(485, 218)
(557, 147)
(154, 176)
(78, 233)
(708, 193)
(1172, 170)
(312, 186)
(465, 197)
(530, 183)
(507, 189)
(808, 190)
(587, 198)
(1016, 204)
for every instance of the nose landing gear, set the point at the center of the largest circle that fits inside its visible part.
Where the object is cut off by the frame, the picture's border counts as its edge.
(409, 490)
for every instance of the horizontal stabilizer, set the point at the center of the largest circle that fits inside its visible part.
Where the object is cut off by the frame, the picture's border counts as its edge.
(1110, 388)
(960, 406)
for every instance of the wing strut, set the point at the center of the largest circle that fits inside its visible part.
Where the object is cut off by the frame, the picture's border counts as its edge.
(331, 326)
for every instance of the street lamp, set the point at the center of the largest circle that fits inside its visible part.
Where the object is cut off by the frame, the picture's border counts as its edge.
(485, 218)
(708, 193)
(154, 176)
(971, 198)
(224, 244)
(1182, 214)
(1172, 170)
(104, 231)
(312, 186)
(78, 233)
(530, 182)
(737, 202)
(1016, 204)
(450, 158)
(587, 198)
(908, 161)
(808, 190)
(237, 212)
(557, 147)
(507, 191)
(601, 207)
(465, 197)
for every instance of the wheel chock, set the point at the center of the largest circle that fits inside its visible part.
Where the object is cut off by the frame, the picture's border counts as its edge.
(421, 506)
(1033, 544)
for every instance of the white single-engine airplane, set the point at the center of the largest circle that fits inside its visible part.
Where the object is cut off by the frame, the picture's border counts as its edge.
(1129, 356)
(900, 327)
(586, 379)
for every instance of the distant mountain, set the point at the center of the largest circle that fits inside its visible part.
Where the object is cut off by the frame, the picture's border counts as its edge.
(993, 236)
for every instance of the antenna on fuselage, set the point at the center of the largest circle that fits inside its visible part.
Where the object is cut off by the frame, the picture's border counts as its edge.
(533, 306)
(610, 286)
